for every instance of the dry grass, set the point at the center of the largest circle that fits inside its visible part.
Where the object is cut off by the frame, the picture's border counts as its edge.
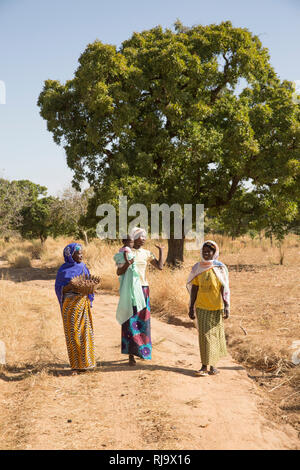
(28, 310)
(265, 298)
(18, 260)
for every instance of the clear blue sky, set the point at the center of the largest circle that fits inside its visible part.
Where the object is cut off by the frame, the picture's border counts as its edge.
(42, 39)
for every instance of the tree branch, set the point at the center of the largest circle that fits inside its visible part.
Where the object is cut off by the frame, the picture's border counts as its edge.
(216, 91)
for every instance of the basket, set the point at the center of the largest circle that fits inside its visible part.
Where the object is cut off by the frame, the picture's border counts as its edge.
(85, 284)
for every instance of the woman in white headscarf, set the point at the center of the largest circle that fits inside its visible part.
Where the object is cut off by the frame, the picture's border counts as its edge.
(136, 331)
(208, 285)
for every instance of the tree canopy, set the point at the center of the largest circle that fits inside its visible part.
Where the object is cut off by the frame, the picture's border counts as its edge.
(69, 214)
(194, 115)
(26, 209)
(12, 199)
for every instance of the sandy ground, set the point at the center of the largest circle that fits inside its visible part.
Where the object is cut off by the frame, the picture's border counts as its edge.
(158, 404)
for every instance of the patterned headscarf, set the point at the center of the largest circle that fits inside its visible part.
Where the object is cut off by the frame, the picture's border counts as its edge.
(69, 251)
(69, 270)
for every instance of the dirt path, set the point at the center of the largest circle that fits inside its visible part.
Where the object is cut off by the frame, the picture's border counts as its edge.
(156, 405)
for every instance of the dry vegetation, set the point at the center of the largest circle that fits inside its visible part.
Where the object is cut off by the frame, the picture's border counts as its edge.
(261, 331)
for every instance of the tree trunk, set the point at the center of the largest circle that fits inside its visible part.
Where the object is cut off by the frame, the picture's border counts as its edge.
(175, 252)
(85, 237)
(43, 238)
(271, 240)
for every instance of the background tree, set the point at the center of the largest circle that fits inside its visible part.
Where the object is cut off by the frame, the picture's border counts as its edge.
(68, 214)
(11, 202)
(165, 112)
(35, 212)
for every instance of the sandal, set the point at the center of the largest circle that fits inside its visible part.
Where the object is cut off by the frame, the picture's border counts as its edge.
(132, 361)
(214, 371)
(201, 373)
(78, 371)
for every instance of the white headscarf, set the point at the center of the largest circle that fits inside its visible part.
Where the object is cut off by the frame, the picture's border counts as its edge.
(219, 268)
(138, 232)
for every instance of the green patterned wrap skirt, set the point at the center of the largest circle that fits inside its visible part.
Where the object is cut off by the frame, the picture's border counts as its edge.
(211, 336)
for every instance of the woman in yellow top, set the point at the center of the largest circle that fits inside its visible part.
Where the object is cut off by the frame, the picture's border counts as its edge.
(208, 285)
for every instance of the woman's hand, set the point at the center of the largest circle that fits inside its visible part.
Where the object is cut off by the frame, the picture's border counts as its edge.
(226, 305)
(192, 314)
(122, 269)
(160, 247)
(69, 287)
(194, 294)
(226, 312)
(158, 263)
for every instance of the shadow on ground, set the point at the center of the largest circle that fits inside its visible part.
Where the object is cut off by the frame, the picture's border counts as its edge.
(16, 374)
(28, 274)
(116, 366)
(248, 267)
(173, 320)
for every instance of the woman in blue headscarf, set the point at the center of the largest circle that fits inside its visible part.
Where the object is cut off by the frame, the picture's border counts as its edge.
(76, 311)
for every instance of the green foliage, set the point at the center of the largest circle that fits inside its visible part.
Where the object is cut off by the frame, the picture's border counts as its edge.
(162, 120)
(12, 198)
(36, 220)
(25, 208)
(68, 213)
(33, 191)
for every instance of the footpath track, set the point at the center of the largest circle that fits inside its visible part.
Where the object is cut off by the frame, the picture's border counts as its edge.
(157, 404)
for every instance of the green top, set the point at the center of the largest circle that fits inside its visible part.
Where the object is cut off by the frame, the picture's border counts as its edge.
(131, 292)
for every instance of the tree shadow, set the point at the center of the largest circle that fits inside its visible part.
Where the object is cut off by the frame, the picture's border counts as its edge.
(177, 321)
(246, 267)
(16, 374)
(290, 407)
(28, 274)
(263, 377)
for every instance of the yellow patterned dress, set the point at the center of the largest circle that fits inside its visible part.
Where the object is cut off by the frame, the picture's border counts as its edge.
(78, 328)
(209, 310)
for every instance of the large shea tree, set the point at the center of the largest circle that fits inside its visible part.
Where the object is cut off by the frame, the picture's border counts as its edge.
(186, 116)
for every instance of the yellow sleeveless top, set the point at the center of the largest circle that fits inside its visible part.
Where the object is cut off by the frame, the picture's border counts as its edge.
(209, 292)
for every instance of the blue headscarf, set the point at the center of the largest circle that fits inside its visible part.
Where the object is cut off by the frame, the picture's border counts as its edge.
(69, 270)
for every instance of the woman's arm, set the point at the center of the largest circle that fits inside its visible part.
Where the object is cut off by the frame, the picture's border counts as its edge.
(226, 305)
(123, 269)
(194, 294)
(158, 263)
(69, 287)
